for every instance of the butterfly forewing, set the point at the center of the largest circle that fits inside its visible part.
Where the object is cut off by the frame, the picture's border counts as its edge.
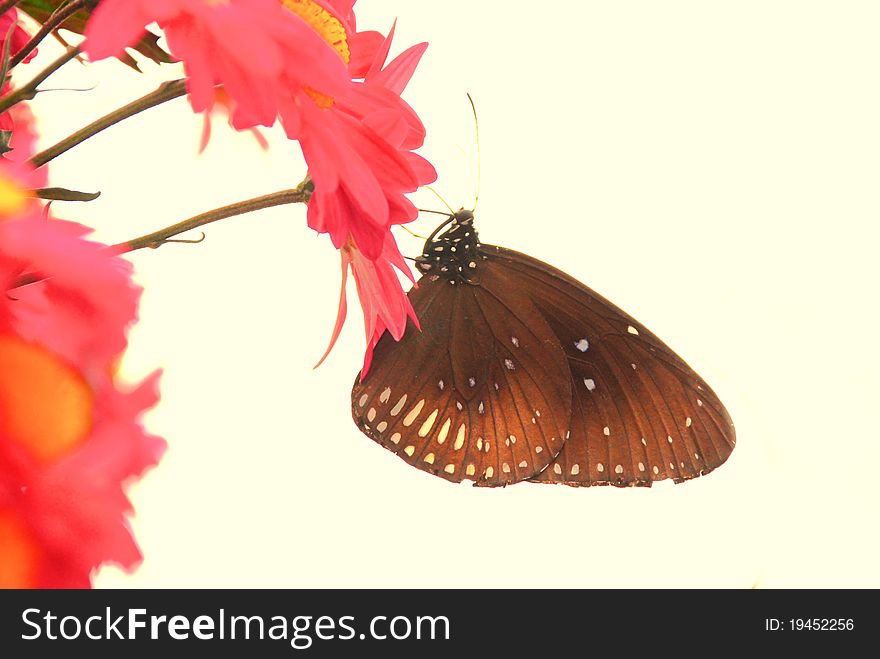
(640, 413)
(478, 394)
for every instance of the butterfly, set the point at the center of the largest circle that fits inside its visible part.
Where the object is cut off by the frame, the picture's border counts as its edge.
(522, 373)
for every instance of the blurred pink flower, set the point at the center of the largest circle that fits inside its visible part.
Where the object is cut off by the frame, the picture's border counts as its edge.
(70, 437)
(19, 36)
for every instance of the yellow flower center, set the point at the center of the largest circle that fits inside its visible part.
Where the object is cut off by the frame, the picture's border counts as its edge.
(329, 28)
(12, 197)
(45, 405)
(323, 22)
(19, 554)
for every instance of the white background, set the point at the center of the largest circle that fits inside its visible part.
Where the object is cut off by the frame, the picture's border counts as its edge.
(711, 167)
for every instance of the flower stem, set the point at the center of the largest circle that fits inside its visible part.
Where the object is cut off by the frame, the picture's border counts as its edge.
(52, 23)
(165, 92)
(7, 5)
(30, 89)
(300, 194)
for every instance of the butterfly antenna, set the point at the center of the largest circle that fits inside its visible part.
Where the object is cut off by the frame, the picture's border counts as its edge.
(479, 163)
(413, 233)
(442, 201)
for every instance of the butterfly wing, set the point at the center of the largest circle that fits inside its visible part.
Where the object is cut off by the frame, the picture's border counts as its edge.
(639, 412)
(481, 393)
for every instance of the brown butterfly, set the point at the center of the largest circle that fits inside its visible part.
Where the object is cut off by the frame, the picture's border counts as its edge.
(521, 373)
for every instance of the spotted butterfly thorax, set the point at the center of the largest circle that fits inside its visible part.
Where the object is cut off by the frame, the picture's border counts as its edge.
(522, 373)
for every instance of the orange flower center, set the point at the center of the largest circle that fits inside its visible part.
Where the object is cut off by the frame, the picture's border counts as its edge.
(19, 553)
(329, 28)
(45, 405)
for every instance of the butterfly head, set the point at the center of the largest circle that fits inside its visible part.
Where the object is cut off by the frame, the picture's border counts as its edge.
(455, 254)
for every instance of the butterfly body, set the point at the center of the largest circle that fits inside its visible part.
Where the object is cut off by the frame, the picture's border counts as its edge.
(521, 372)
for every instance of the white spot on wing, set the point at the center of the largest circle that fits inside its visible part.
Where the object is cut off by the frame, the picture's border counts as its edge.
(413, 413)
(428, 424)
(363, 400)
(590, 384)
(632, 330)
(385, 395)
(444, 431)
(582, 345)
(398, 406)
(509, 364)
(459, 437)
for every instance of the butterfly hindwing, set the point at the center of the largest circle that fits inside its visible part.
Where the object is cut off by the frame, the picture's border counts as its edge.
(478, 394)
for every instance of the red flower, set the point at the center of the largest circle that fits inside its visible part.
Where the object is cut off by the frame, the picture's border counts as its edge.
(69, 436)
(254, 48)
(384, 302)
(359, 149)
(19, 38)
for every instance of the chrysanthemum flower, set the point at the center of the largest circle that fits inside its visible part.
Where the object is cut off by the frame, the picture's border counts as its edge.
(69, 436)
(254, 48)
(359, 149)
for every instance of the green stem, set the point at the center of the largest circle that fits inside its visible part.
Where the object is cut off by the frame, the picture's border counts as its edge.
(52, 23)
(300, 194)
(167, 91)
(30, 89)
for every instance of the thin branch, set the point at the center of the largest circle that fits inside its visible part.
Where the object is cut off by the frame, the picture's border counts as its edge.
(300, 194)
(7, 5)
(165, 92)
(30, 89)
(55, 21)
